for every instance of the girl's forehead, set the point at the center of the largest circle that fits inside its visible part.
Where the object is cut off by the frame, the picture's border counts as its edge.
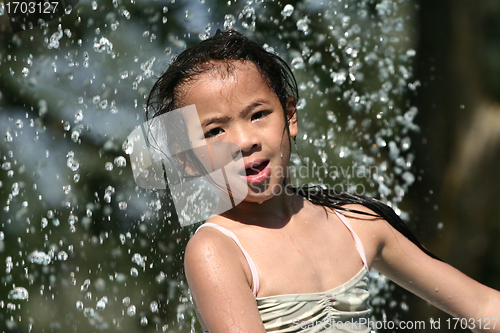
(224, 82)
(230, 71)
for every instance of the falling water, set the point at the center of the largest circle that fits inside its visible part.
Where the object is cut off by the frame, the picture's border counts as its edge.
(84, 248)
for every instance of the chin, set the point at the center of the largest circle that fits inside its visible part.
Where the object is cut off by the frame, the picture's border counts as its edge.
(261, 196)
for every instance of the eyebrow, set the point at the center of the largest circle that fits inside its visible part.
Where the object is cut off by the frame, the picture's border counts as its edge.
(245, 111)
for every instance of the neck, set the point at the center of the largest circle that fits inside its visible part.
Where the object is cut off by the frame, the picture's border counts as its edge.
(274, 212)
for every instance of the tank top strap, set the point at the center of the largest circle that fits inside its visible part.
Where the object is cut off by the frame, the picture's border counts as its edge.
(253, 268)
(357, 241)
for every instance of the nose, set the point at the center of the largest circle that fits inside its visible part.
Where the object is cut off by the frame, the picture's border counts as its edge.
(247, 140)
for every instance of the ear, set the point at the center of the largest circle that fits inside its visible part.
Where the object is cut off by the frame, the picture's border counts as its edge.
(185, 161)
(291, 116)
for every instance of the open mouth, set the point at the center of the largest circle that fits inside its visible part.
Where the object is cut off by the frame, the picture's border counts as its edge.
(256, 169)
(257, 172)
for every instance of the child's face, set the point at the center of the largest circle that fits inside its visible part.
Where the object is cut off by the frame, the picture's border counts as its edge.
(240, 108)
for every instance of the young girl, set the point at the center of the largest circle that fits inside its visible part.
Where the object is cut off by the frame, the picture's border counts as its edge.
(291, 259)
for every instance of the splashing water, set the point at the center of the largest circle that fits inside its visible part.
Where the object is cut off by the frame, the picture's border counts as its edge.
(77, 88)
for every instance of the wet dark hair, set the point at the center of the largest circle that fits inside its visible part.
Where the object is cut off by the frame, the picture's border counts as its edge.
(232, 46)
(222, 47)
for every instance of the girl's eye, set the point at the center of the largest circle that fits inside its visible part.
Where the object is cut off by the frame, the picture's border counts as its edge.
(259, 114)
(213, 132)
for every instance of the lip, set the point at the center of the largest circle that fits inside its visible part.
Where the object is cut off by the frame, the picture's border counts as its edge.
(259, 177)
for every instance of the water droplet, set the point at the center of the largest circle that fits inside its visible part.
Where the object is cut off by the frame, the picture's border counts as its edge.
(303, 25)
(72, 219)
(40, 257)
(94, 5)
(15, 189)
(104, 104)
(131, 310)
(103, 45)
(160, 278)
(339, 77)
(404, 306)
(44, 222)
(134, 272)
(146, 67)
(139, 260)
(122, 205)
(101, 304)
(344, 152)
(108, 192)
(408, 177)
(88, 312)
(2, 236)
(287, 11)
(6, 166)
(229, 20)
(75, 135)
(298, 63)
(405, 143)
(153, 306)
(18, 293)
(62, 256)
(79, 116)
(120, 161)
(124, 75)
(126, 301)
(8, 137)
(54, 39)
(8, 264)
(411, 53)
(79, 305)
(85, 285)
(380, 142)
(25, 71)
(108, 166)
(128, 147)
(315, 58)
(144, 321)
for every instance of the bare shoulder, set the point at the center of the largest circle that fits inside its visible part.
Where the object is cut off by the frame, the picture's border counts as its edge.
(209, 243)
(210, 251)
(373, 230)
(216, 275)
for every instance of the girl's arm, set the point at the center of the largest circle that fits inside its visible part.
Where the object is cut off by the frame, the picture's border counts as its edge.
(216, 273)
(435, 281)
